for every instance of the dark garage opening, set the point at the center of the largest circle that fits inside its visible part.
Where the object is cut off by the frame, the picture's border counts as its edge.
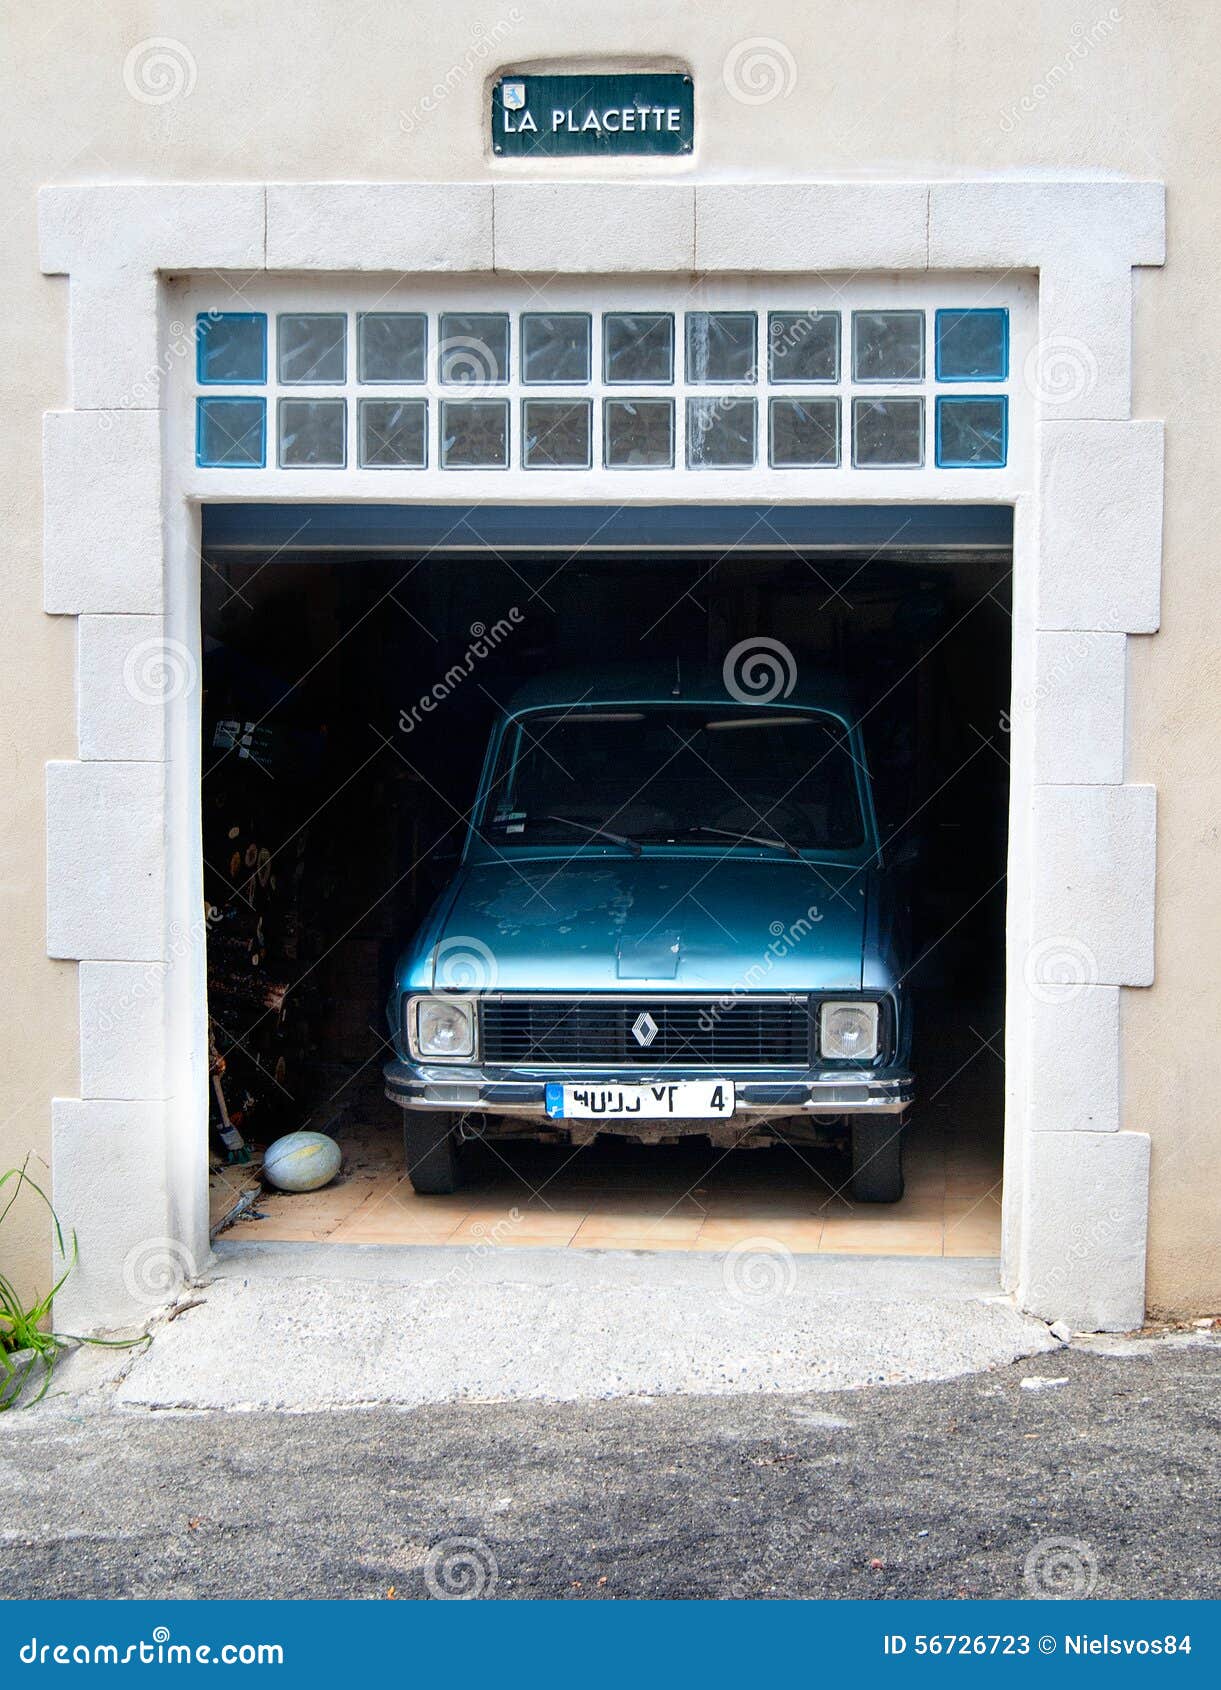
(339, 764)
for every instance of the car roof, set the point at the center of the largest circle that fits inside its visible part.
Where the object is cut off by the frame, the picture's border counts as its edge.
(685, 684)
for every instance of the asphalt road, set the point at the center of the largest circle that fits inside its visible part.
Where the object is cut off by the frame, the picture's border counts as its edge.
(929, 1490)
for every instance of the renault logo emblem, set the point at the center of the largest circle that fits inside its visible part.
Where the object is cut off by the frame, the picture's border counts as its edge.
(644, 1029)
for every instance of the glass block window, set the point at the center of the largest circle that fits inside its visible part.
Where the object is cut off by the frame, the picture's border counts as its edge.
(804, 433)
(555, 348)
(392, 346)
(972, 432)
(638, 347)
(926, 383)
(887, 433)
(972, 345)
(312, 347)
(721, 346)
(638, 433)
(720, 433)
(393, 433)
(888, 346)
(313, 433)
(231, 433)
(231, 347)
(474, 349)
(475, 434)
(802, 346)
(556, 433)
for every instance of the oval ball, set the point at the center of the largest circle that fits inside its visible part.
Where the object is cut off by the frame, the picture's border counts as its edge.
(302, 1162)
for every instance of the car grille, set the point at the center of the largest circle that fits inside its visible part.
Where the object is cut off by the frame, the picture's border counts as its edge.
(591, 1031)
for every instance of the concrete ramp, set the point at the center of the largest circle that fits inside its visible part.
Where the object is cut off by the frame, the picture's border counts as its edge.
(303, 1327)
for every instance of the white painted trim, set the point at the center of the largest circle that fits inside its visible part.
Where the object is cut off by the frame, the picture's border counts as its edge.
(123, 851)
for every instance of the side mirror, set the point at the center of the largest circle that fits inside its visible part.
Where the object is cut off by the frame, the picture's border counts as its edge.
(905, 853)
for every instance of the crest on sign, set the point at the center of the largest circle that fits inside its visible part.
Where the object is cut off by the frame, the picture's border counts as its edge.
(514, 95)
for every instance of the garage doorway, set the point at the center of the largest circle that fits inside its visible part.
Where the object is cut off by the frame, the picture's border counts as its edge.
(340, 765)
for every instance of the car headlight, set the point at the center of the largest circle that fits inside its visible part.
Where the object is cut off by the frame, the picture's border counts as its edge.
(848, 1030)
(441, 1027)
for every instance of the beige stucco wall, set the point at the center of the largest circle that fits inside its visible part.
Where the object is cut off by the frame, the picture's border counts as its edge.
(868, 88)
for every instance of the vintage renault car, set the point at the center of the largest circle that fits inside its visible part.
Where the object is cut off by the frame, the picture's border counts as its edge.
(671, 916)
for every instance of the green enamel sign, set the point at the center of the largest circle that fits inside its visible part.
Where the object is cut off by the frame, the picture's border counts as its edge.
(589, 116)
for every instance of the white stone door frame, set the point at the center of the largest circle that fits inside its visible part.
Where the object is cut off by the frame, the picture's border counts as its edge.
(124, 876)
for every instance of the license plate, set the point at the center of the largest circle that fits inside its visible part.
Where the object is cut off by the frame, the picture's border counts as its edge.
(694, 1099)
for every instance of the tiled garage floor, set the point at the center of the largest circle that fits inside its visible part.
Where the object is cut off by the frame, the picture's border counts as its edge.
(680, 1197)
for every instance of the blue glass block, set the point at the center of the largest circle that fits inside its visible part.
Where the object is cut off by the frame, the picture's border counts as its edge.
(972, 433)
(230, 347)
(231, 433)
(972, 345)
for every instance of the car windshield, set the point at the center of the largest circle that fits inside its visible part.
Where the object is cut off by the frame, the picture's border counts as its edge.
(653, 774)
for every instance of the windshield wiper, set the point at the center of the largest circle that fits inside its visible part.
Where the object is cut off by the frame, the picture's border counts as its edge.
(749, 839)
(599, 833)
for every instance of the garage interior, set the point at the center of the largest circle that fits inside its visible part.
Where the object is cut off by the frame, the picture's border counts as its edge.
(333, 809)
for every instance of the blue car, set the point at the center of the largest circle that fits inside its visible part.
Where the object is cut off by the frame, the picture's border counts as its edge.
(672, 915)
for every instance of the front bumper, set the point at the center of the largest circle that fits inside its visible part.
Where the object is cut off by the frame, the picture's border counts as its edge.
(523, 1092)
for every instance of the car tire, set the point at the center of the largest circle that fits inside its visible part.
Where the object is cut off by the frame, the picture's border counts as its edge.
(877, 1159)
(433, 1151)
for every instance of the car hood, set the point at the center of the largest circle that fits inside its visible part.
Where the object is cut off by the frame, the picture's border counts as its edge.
(666, 923)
